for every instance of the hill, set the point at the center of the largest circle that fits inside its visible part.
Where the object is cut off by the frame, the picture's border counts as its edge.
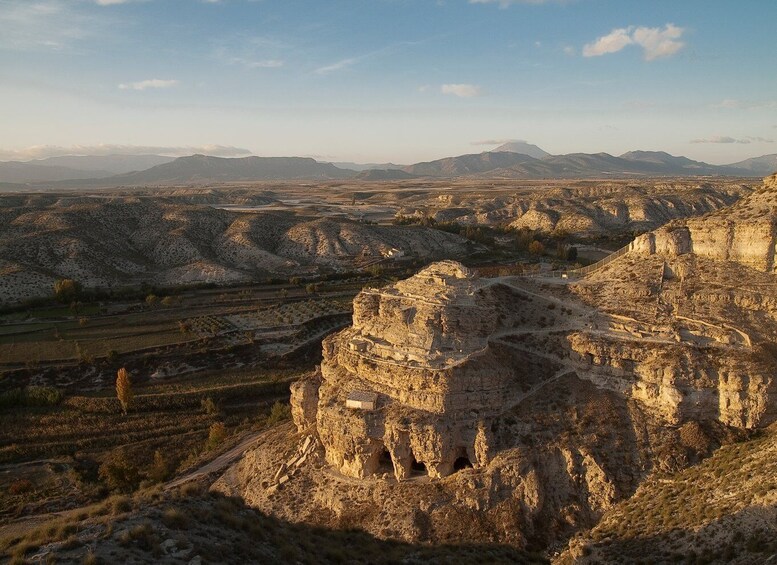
(23, 172)
(763, 165)
(521, 147)
(573, 165)
(202, 168)
(112, 164)
(384, 174)
(103, 242)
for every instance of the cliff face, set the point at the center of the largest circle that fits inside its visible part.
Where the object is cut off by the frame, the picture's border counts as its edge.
(420, 348)
(744, 233)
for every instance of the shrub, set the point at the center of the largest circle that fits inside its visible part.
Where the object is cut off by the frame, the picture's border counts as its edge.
(31, 396)
(278, 413)
(118, 473)
(536, 248)
(216, 434)
(20, 486)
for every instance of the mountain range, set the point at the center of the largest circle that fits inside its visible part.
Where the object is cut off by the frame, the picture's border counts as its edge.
(514, 160)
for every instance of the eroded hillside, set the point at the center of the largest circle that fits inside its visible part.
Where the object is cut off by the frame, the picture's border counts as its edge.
(115, 242)
(640, 370)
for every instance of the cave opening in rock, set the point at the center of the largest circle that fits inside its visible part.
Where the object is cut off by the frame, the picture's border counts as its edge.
(462, 463)
(386, 465)
(417, 467)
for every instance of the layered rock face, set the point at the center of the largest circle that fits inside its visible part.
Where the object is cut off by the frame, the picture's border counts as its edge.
(746, 233)
(420, 348)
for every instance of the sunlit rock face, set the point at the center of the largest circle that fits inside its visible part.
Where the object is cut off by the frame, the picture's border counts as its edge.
(421, 345)
(745, 233)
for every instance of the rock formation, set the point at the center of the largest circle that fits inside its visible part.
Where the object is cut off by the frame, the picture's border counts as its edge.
(564, 396)
(421, 348)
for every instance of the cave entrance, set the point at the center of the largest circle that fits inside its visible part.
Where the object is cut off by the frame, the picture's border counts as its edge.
(416, 467)
(462, 462)
(385, 464)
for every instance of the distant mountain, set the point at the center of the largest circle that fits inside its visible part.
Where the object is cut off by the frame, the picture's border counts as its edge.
(201, 168)
(366, 166)
(762, 166)
(23, 172)
(523, 148)
(467, 164)
(384, 174)
(573, 165)
(114, 164)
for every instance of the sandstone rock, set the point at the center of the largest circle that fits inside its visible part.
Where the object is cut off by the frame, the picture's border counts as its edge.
(422, 346)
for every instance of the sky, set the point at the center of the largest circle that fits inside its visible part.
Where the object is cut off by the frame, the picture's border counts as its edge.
(387, 80)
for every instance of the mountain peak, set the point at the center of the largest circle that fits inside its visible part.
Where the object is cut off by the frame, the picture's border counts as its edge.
(523, 147)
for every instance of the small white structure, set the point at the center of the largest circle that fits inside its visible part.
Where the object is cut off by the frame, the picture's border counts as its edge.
(393, 253)
(361, 400)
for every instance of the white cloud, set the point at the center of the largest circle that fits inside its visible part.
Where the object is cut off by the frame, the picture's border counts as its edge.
(655, 42)
(149, 83)
(43, 151)
(461, 90)
(729, 139)
(613, 42)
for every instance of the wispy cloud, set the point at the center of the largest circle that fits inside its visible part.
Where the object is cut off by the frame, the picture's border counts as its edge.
(44, 25)
(655, 42)
(339, 65)
(497, 141)
(351, 61)
(256, 64)
(729, 139)
(507, 3)
(44, 151)
(462, 90)
(732, 103)
(149, 83)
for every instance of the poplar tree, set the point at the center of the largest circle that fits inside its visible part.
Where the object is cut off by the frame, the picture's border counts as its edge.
(124, 389)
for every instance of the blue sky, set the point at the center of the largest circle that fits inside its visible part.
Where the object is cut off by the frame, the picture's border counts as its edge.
(387, 80)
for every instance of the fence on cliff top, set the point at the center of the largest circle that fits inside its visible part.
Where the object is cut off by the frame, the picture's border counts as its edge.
(582, 271)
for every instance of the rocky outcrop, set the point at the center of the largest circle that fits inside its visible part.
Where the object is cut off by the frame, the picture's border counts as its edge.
(746, 233)
(421, 347)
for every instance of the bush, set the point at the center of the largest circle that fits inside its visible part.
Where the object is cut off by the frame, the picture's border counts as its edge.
(536, 248)
(118, 473)
(31, 396)
(20, 486)
(278, 413)
(216, 434)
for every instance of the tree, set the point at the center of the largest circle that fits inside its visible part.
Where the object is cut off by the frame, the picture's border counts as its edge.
(216, 434)
(66, 290)
(536, 248)
(311, 288)
(160, 469)
(124, 389)
(572, 254)
(151, 300)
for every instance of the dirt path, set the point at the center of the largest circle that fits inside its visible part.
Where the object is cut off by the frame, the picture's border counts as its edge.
(219, 463)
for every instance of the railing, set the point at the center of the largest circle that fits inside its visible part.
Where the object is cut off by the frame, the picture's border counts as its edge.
(582, 271)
